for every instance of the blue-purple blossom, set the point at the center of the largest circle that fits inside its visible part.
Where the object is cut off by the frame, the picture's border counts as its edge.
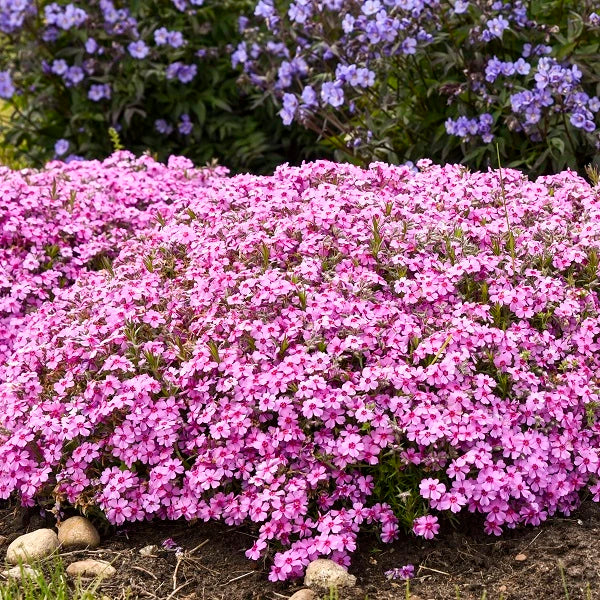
(73, 75)
(185, 126)
(59, 67)
(240, 56)
(309, 96)
(175, 39)
(65, 17)
(7, 88)
(409, 45)
(467, 128)
(185, 73)
(461, 7)
(287, 112)
(370, 7)
(161, 35)
(163, 127)
(99, 92)
(497, 26)
(61, 147)
(332, 93)
(138, 49)
(91, 45)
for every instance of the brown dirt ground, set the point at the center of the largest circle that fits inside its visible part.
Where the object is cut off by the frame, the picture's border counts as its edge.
(463, 563)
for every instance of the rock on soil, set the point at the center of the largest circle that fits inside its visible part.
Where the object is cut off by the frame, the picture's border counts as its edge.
(150, 550)
(305, 594)
(323, 574)
(32, 546)
(78, 532)
(17, 573)
(91, 568)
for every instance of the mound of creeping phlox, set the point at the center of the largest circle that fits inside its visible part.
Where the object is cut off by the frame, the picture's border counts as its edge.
(67, 218)
(321, 350)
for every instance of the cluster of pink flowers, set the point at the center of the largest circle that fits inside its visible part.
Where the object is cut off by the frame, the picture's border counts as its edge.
(259, 355)
(59, 221)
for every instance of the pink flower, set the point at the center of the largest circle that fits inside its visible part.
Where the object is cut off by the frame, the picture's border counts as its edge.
(426, 526)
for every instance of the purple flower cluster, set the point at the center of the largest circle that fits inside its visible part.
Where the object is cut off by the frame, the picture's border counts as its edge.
(7, 88)
(264, 347)
(468, 128)
(556, 86)
(64, 17)
(184, 73)
(85, 43)
(13, 14)
(99, 91)
(369, 70)
(162, 37)
(405, 572)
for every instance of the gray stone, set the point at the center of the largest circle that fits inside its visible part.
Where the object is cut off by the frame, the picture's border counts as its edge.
(32, 546)
(150, 550)
(305, 594)
(323, 574)
(78, 532)
(17, 573)
(91, 568)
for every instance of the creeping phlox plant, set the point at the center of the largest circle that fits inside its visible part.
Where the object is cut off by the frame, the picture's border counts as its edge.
(402, 79)
(158, 72)
(57, 222)
(321, 350)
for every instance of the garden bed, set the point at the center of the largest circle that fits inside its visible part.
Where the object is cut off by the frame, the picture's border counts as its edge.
(462, 559)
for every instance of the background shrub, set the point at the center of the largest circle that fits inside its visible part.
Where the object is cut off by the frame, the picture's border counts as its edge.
(158, 72)
(445, 79)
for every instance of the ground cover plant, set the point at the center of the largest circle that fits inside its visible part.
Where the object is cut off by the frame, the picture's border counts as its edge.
(68, 218)
(321, 350)
(447, 79)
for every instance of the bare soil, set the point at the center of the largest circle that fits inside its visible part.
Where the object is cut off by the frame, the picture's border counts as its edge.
(524, 564)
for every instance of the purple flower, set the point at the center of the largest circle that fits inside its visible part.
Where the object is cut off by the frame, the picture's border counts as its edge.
(7, 88)
(91, 45)
(264, 9)
(138, 49)
(61, 147)
(460, 7)
(161, 36)
(578, 120)
(175, 39)
(406, 572)
(497, 26)
(163, 127)
(59, 66)
(186, 73)
(309, 96)
(332, 93)
(99, 91)
(409, 45)
(185, 126)
(370, 7)
(290, 104)
(74, 75)
(240, 56)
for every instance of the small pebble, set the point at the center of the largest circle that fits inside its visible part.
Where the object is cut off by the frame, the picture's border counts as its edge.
(521, 557)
